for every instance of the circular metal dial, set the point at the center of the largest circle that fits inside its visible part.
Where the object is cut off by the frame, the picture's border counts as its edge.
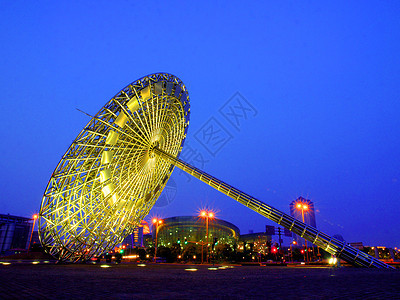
(109, 178)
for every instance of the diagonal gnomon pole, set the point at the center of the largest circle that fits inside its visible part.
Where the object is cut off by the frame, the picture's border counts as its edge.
(326, 242)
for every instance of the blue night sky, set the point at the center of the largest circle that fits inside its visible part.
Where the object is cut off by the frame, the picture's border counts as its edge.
(319, 81)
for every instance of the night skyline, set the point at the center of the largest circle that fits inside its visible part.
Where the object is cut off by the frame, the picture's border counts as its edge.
(319, 85)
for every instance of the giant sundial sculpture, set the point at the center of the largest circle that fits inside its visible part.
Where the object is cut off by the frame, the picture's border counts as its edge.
(114, 171)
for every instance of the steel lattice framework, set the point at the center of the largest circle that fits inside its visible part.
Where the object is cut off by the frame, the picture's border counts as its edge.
(116, 168)
(108, 180)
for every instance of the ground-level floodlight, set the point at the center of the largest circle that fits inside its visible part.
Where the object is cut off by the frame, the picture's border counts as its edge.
(114, 171)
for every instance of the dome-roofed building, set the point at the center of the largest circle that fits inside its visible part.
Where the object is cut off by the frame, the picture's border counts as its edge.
(193, 229)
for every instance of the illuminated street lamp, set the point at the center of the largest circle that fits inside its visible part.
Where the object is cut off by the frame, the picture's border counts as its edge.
(35, 216)
(157, 223)
(206, 215)
(304, 208)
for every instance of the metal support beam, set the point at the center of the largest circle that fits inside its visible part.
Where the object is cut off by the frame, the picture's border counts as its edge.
(326, 242)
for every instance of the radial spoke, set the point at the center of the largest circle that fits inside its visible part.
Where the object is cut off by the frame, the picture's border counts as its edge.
(107, 182)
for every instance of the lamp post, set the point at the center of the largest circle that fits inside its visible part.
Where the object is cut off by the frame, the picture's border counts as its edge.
(35, 216)
(207, 215)
(304, 208)
(157, 223)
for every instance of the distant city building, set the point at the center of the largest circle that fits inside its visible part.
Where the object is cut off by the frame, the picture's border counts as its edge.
(357, 245)
(14, 233)
(339, 237)
(136, 238)
(257, 242)
(297, 212)
(255, 237)
(193, 229)
(148, 240)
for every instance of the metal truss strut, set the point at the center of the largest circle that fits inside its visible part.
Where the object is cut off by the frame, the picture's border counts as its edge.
(323, 240)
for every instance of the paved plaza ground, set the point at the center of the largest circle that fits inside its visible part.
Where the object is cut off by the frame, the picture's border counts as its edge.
(47, 280)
